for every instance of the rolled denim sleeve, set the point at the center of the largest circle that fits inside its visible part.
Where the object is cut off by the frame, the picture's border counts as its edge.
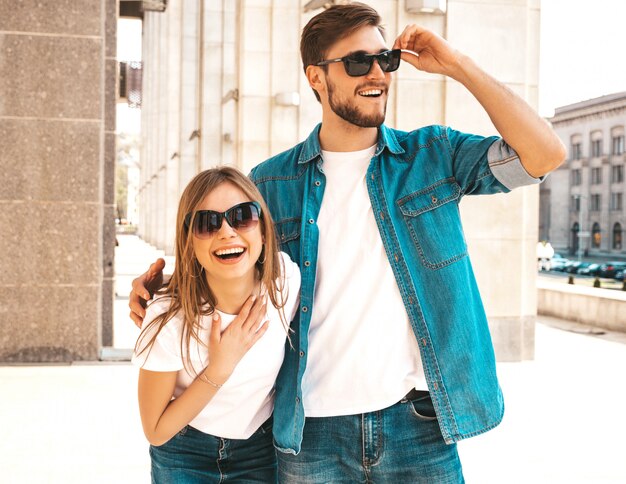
(507, 167)
(485, 165)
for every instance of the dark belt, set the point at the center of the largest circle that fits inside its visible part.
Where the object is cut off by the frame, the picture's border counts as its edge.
(414, 395)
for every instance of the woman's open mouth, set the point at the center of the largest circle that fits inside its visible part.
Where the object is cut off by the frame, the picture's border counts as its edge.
(230, 256)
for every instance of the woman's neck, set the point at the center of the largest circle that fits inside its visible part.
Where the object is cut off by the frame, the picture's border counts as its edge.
(232, 294)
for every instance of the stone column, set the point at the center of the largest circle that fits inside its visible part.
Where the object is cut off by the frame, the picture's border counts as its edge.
(56, 126)
(501, 230)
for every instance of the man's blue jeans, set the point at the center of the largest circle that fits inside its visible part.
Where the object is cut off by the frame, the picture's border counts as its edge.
(193, 457)
(401, 443)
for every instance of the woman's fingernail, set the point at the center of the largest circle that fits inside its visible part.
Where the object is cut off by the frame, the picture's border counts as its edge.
(215, 316)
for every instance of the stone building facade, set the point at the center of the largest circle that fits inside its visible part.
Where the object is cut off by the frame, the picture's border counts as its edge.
(582, 203)
(223, 84)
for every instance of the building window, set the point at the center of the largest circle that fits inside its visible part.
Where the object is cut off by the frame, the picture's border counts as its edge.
(575, 203)
(596, 176)
(617, 237)
(596, 237)
(574, 244)
(617, 145)
(595, 203)
(576, 178)
(577, 151)
(596, 148)
(616, 201)
(617, 173)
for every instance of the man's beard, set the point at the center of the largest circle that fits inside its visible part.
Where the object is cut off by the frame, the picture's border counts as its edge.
(350, 113)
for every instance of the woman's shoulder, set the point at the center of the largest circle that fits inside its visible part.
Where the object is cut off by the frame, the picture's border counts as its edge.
(158, 306)
(288, 268)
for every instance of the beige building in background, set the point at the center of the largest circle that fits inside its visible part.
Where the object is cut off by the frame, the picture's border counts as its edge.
(582, 203)
(223, 84)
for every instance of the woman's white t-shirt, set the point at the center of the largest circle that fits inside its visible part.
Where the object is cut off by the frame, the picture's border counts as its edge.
(246, 400)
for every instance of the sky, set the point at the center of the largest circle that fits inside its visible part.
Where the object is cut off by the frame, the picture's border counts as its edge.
(582, 53)
(582, 45)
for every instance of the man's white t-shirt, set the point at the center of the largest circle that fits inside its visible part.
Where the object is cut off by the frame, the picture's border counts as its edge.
(363, 355)
(246, 400)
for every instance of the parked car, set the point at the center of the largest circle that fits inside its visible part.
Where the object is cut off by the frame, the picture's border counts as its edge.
(589, 270)
(568, 265)
(619, 275)
(573, 267)
(610, 269)
(558, 264)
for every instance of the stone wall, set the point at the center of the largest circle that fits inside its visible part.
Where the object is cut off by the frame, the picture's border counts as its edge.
(603, 308)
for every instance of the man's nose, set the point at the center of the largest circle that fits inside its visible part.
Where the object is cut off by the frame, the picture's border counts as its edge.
(376, 72)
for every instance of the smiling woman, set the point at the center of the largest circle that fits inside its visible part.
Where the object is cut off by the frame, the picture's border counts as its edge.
(213, 340)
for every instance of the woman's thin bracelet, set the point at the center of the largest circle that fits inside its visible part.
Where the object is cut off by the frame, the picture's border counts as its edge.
(205, 379)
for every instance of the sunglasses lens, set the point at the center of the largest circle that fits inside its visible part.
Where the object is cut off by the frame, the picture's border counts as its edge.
(207, 223)
(389, 61)
(358, 65)
(243, 217)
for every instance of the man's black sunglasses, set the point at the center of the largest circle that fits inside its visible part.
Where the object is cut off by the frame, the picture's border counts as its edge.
(242, 217)
(359, 64)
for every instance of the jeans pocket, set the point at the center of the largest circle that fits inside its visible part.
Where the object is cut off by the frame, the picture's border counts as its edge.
(422, 409)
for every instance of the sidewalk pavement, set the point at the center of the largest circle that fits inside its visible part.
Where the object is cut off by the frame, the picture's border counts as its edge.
(564, 422)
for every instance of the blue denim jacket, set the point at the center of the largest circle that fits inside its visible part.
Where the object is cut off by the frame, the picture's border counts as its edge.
(415, 182)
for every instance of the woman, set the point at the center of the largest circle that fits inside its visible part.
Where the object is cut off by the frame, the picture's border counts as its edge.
(213, 340)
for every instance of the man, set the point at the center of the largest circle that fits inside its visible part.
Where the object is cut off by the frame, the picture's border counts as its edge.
(392, 362)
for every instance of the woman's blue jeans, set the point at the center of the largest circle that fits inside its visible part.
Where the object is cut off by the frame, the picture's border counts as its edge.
(193, 457)
(401, 443)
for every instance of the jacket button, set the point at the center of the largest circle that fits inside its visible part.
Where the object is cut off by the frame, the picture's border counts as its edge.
(297, 400)
(396, 257)
(317, 183)
(435, 386)
(304, 309)
(311, 221)
(301, 354)
(423, 341)
(382, 215)
(307, 263)
(434, 199)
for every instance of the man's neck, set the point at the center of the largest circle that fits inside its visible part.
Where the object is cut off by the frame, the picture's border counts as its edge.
(339, 135)
(232, 294)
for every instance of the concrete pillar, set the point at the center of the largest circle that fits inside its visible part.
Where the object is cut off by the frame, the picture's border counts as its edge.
(501, 230)
(57, 119)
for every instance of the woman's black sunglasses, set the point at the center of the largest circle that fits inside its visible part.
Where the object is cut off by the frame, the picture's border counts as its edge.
(359, 63)
(242, 217)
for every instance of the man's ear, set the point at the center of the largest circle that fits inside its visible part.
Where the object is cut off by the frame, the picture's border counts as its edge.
(317, 79)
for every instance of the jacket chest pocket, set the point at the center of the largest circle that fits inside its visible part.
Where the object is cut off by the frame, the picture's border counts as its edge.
(288, 237)
(434, 223)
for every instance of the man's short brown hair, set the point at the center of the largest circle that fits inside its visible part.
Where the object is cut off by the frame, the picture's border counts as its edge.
(332, 25)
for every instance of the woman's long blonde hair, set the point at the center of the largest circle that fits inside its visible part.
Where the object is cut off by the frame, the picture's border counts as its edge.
(188, 289)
